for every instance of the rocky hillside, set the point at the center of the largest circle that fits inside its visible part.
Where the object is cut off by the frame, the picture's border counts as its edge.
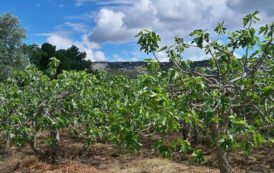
(137, 65)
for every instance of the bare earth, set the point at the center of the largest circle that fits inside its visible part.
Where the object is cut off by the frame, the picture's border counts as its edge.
(106, 158)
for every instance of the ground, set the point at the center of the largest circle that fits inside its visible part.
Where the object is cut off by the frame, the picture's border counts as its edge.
(106, 158)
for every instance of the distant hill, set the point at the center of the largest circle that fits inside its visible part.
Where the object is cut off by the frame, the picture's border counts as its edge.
(125, 66)
(133, 68)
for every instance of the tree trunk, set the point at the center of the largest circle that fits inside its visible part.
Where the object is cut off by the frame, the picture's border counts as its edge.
(37, 151)
(223, 163)
(195, 135)
(7, 144)
(54, 146)
(221, 156)
(186, 131)
(4, 145)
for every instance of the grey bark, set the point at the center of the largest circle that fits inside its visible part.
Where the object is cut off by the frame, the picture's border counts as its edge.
(221, 155)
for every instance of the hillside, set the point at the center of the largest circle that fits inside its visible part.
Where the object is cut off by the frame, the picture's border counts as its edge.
(135, 67)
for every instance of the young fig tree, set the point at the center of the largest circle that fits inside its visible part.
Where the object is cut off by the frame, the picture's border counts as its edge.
(231, 100)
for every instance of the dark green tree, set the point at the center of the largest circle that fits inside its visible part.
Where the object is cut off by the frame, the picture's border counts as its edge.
(34, 53)
(70, 59)
(49, 51)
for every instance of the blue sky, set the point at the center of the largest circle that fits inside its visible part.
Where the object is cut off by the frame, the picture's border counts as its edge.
(105, 29)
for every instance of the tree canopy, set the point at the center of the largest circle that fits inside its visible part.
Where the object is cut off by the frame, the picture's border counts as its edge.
(11, 36)
(231, 101)
(70, 59)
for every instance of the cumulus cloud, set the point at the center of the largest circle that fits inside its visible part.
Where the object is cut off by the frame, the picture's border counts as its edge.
(117, 58)
(90, 45)
(59, 41)
(109, 28)
(162, 56)
(172, 18)
(142, 14)
(117, 21)
(246, 6)
(266, 8)
(99, 56)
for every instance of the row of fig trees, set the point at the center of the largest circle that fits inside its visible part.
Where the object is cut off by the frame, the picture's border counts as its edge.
(228, 104)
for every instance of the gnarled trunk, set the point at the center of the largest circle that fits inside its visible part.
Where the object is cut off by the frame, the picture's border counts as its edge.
(223, 163)
(221, 155)
(37, 151)
(51, 153)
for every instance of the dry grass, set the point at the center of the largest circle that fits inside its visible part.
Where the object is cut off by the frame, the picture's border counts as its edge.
(70, 167)
(105, 158)
(158, 165)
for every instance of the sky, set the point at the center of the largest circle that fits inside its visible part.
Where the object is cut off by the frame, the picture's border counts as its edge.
(105, 29)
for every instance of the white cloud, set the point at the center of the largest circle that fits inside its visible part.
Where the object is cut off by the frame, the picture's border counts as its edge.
(100, 56)
(162, 56)
(60, 39)
(60, 42)
(197, 58)
(133, 59)
(142, 14)
(117, 58)
(195, 54)
(94, 56)
(90, 45)
(109, 28)
(170, 18)
(243, 6)
(117, 21)
(78, 27)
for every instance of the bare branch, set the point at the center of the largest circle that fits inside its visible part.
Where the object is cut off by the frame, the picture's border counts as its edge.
(243, 75)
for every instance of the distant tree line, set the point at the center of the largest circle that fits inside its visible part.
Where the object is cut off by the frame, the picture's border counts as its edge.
(14, 54)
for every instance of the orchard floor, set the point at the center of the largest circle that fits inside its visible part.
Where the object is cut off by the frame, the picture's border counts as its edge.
(105, 158)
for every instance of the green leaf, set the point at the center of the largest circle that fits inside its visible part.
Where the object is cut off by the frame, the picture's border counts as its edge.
(247, 147)
(268, 90)
(163, 48)
(258, 139)
(197, 156)
(184, 145)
